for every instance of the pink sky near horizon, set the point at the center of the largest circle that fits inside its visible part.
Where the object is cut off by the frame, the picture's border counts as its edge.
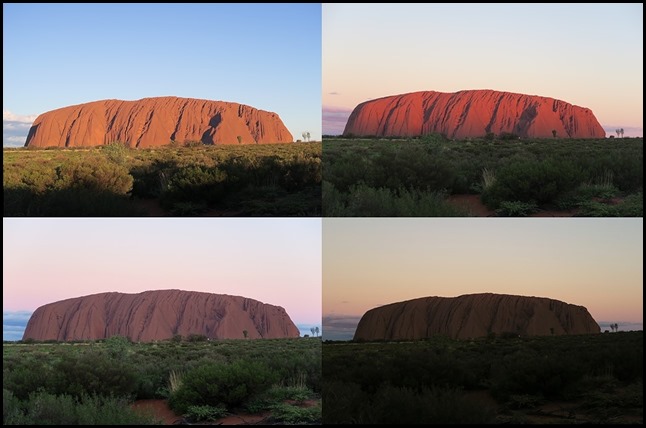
(588, 55)
(593, 262)
(275, 261)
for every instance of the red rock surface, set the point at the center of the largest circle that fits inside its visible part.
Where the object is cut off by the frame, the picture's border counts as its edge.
(151, 122)
(158, 315)
(471, 114)
(474, 315)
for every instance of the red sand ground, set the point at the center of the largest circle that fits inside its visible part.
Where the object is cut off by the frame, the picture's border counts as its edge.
(159, 409)
(473, 205)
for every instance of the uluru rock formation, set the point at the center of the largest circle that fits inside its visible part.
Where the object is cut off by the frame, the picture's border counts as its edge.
(472, 113)
(151, 122)
(158, 315)
(474, 315)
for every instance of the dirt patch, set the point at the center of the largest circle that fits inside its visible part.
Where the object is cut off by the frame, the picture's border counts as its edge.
(472, 204)
(304, 404)
(243, 419)
(150, 207)
(158, 409)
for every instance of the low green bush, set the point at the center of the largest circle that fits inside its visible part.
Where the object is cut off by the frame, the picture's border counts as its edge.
(92, 373)
(205, 413)
(287, 414)
(363, 200)
(221, 384)
(516, 209)
(43, 408)
(538, 182)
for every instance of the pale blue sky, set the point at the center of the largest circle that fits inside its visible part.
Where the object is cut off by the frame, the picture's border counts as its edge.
(589, 55)
(267, 56)
(276, 261)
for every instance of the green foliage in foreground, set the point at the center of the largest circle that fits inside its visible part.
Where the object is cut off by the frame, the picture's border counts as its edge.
(370, 177)
(205, 412)
(437, 379)
(394, 405)
(222, 384)
(364, 201)
(43, 408)
(249, 180)
(287, 414)
(201, 378)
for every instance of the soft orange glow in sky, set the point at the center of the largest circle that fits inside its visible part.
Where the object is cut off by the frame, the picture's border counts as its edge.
(590, 55)
(596, 263)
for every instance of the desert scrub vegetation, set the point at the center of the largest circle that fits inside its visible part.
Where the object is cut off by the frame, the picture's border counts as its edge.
(414, 177)
(598, 378)
(46, 383)
(113, 180)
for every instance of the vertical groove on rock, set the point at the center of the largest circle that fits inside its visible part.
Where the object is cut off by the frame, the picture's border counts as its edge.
(471, 114)
(474, 315)
(153, 122)
(158, 315)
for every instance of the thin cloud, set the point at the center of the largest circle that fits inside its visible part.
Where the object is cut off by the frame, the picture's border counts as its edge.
(15, 128)
(334, 119)
(333, 93)
(13, 317)
(339, 327)
(12, 117)
(14, 324)
(13, 138)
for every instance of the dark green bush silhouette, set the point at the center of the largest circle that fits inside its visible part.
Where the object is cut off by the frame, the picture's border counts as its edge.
(226, 384)
(94, 372)
(538, 182)
(42, 408)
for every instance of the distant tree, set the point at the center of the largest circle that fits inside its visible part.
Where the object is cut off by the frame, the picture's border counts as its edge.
(316, 329)
(554, 133)
(245, 333)
(196, 338)
(308, 134)
(616, 327)
(313, 330)
(239, 137)
(618, 131)
(621, 130)
(304, 134)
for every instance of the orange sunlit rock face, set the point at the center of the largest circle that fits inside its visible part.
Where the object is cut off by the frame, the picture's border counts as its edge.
(471, 114)
(474, 315)
(151, 122)
(159, 315)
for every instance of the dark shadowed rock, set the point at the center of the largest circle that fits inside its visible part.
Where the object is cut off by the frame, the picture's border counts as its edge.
(474, 315)
(151, 122)
(472, 114)
(158, 315)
